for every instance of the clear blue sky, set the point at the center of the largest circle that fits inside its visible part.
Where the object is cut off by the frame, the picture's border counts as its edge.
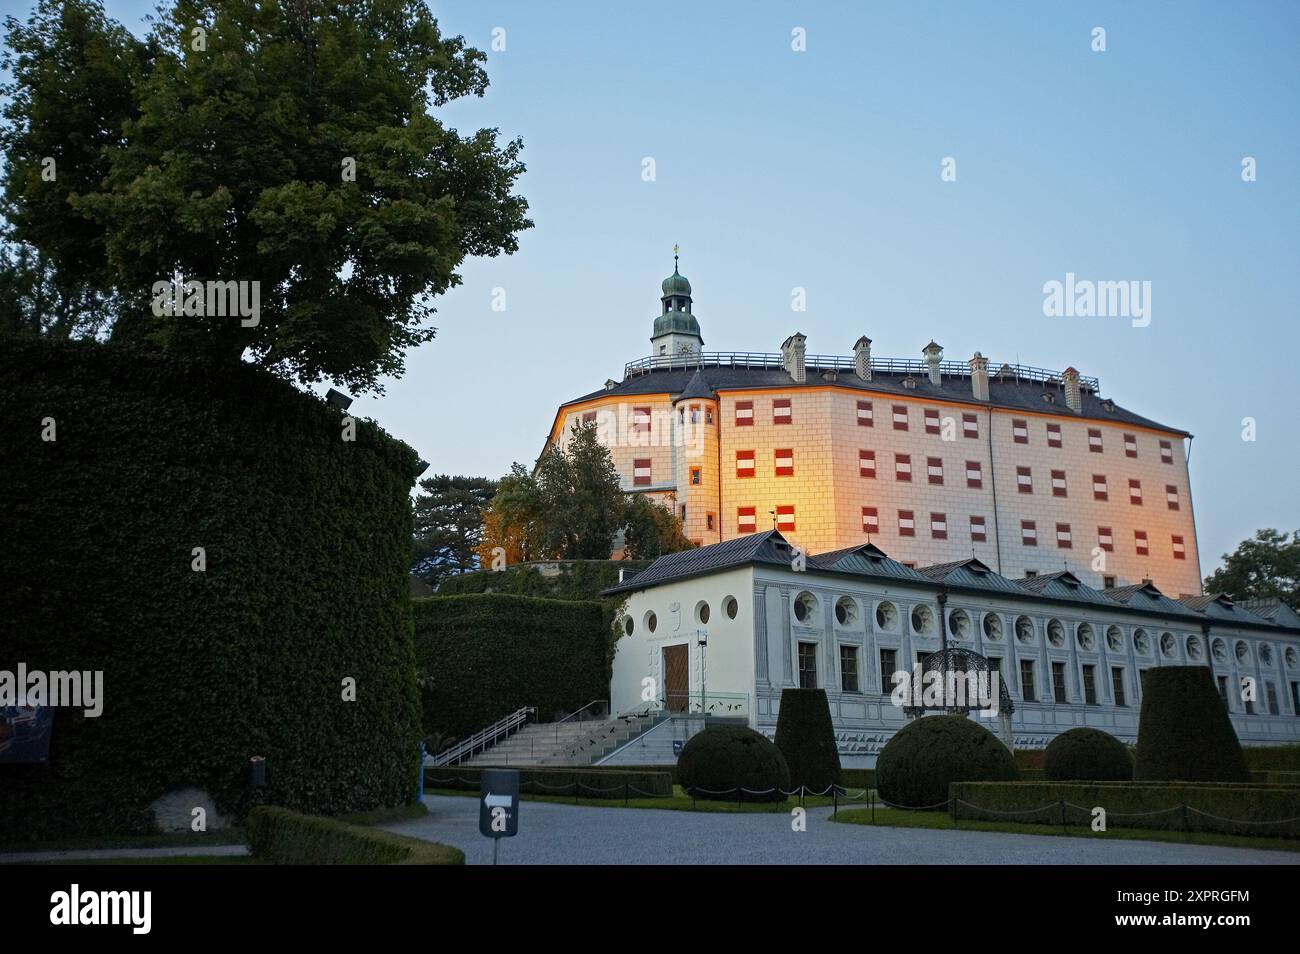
(820, 169)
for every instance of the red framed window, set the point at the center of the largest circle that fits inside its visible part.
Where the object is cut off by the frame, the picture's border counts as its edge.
(744, 463)
(746, 520)
(1130, 445)
(1058, 484)
(1019, 431)
(1094, 440)
(934, 470)
(1024, 480)
(906, 523)
(1171, 496)
(1135, 492)
(641, 472)
(1140, 542)
(641, 420)
(697, 476)
(1105, 539)
(1053, 435)
(900, 417)
(785, 518)
(744, 413)
(903, 467)
(781, 411)
(974, 474)
(867, 464)
(939, 526)
(978, 531)
(784, 461)
(931, 421)
(709, 521)
(1064, 540)
(1166, 452)
(865, 414)
(970, 426)
(1029, 533)
(589, 417)
(1099, 489)
(870, 520)
(1180, 551)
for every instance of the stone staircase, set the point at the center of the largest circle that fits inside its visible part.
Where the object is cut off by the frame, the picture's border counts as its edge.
(566, 743)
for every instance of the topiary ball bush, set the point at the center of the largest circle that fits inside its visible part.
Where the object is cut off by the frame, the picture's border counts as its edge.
(722, 758)
(1184, 733)
(806, 737)
(1087, 755)
(917, 765)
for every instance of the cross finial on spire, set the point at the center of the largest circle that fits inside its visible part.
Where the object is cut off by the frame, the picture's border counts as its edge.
(676, 248)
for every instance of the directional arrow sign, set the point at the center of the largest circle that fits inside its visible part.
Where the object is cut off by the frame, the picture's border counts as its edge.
(499, 793)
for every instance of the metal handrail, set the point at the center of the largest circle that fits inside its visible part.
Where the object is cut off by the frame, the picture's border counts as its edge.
(824, 362)
(479, 740)
(593, 702)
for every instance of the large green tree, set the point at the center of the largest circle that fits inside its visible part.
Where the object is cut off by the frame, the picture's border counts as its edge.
(1267, 565)
(449, 524)
(283, 142)
(571, 506)
(651, 530)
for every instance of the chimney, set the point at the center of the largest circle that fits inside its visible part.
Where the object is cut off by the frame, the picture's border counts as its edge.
(933, 356)
(792, 357)
(1073, 398)
(979, 377)
(862, 358)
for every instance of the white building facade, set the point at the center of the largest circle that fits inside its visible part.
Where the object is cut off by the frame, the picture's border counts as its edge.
(724, 629)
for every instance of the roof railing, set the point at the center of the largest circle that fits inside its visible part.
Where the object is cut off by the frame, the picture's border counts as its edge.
(1014, 373)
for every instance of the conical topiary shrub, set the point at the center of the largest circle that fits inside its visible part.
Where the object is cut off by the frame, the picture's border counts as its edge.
(1184, 733)
(1087, 755)
(924, 757)
(806, 738)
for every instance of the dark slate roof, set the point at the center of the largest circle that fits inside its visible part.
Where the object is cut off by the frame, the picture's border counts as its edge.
(1145, 596)
(868, 560)
(697, 387)
(765, 547)
(1018, 395)
(1274, 610)
(969, 574)
(1062, 585)
(1218, 606)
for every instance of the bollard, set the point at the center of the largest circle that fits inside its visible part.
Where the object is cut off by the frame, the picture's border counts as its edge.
(872, 797)
(835, 801)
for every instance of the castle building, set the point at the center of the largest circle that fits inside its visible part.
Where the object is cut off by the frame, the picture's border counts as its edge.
(1027, 470)
(720, 631)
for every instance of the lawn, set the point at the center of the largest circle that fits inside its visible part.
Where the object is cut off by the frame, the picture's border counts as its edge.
(679, 801)
(899, 818)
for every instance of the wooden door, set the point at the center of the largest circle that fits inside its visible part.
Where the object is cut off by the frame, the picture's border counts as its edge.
(677, 677)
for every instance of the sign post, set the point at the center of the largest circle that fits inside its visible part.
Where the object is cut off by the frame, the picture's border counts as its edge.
(498, 807)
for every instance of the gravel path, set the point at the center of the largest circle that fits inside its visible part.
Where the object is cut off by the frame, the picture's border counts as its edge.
(551, 833)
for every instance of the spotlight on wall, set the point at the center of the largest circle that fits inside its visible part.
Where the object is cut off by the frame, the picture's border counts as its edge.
(338, 399)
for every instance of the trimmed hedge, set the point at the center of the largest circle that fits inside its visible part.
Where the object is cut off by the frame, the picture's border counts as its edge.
(591, 782)
(924, 757)
(307, 541)
(1087, 754)
(486, 655)
(806, 737)
(278, 836)
(1236, 809)
(1184, 732)
(1274, 758)
(577, 580)
(716, 762)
